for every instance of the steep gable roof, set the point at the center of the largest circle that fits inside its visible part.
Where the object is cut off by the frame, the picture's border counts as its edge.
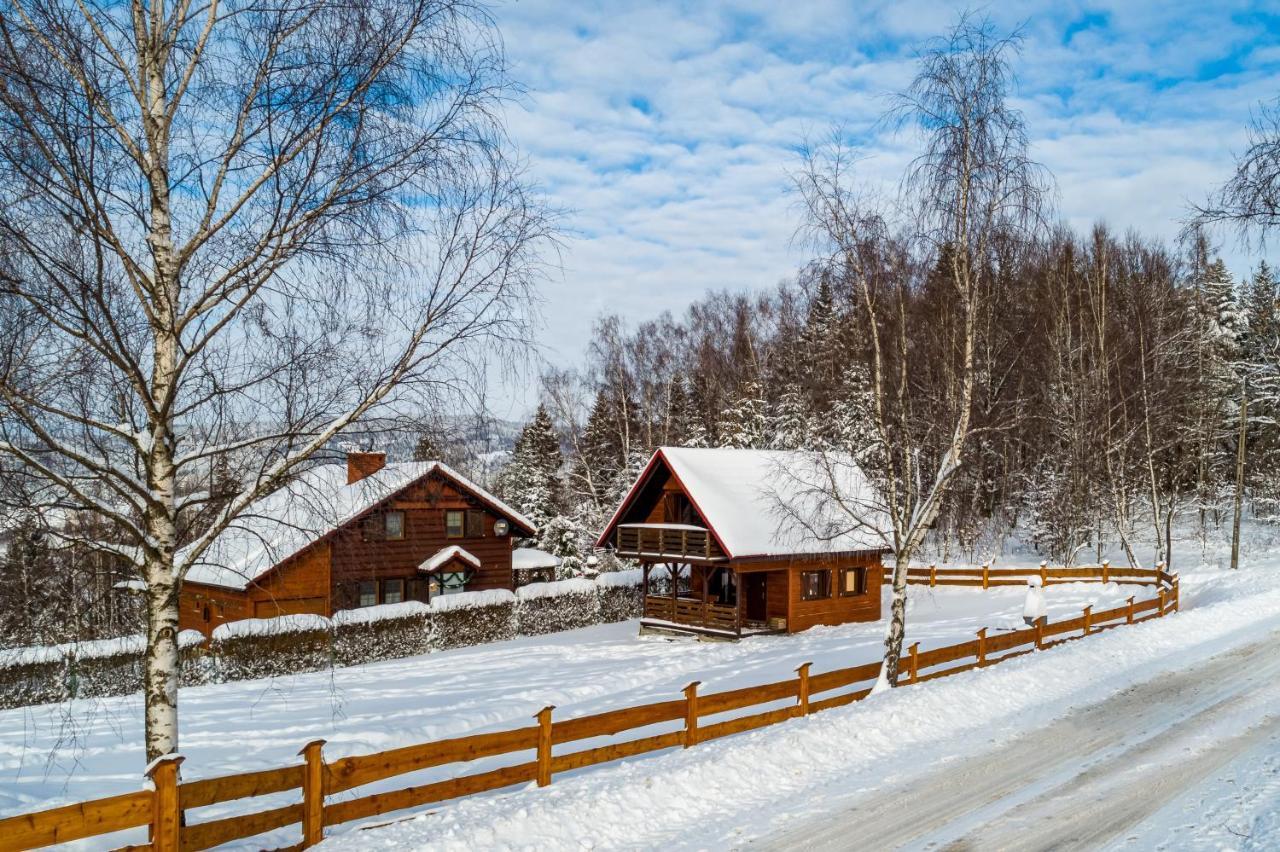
(312, 506)
(773, 502)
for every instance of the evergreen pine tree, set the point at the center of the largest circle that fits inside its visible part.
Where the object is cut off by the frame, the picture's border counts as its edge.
(791, 423)
(746, 424)
(530, 480)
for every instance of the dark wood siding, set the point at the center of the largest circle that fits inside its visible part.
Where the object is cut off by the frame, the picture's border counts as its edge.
(358, 556)
(325, 577)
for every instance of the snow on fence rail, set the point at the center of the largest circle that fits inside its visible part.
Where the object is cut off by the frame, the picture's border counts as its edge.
(171, 808)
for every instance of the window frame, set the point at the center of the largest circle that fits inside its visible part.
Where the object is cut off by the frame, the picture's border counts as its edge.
(387, 585)
(372, 586)
(824, 586)
(386, 525)
(860, 584)
(462, 523)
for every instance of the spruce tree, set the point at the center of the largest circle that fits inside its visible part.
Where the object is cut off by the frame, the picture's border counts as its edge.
(746, 424)
(531, 479)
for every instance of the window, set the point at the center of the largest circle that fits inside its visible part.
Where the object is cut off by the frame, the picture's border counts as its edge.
(453, 524)
(815, 585)
(448, 583)
(853, 581)
(392, 591)
(368, 593)
(393, 525)
(475, 523)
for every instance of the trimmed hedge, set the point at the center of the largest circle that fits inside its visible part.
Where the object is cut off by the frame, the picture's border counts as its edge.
(290, 644)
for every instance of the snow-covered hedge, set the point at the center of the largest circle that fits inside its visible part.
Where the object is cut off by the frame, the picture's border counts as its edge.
(264, 647)
(551, 607)
(383, 632)
(289, 644)
(621, 596)
(472, 618)
(49, 673)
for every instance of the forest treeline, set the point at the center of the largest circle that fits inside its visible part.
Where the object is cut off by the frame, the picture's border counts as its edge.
(1110, 373)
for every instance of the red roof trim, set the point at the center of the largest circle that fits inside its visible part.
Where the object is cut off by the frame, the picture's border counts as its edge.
(639, 483)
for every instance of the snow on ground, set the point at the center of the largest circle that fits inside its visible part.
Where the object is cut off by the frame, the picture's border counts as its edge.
(61, 753)
(731, 792)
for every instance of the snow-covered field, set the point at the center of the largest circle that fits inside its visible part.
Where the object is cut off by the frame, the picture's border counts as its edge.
(721, 794)
(61, 753)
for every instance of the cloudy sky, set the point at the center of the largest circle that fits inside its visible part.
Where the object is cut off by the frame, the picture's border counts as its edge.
(666, 130)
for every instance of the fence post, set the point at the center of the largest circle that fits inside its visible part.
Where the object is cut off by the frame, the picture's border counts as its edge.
(1176, 596)
(544, 745)
(933, 576)
(1129, 617)
(1106, 570)
(982, 647)
(1162, 603)
(313, 794)
(1039, 633)
(1044, 572)
(986, 575)
(803, 697)
(915, 662)
(1088, 617)
(691, 714)
(166, 811)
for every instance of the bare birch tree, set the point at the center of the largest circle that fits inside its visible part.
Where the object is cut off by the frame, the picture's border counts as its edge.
(972, 182)
(228, 232)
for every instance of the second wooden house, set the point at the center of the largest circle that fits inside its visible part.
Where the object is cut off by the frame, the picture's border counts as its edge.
(355, 535)
(751, 541)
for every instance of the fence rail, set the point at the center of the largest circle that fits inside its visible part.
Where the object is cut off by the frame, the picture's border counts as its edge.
(170, 810)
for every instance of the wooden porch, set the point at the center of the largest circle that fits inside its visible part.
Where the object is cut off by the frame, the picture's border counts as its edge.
(693, 607)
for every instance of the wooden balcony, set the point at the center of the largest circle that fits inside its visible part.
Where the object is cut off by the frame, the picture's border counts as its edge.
(692, 612)
(667, 543)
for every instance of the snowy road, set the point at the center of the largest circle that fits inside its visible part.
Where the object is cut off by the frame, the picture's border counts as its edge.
(1089, 780)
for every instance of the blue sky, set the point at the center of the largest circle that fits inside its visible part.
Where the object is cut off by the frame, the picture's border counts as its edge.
(667, 129)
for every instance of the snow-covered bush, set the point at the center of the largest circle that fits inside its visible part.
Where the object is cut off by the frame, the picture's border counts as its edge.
(551, 607)
(28, 677)
(620, 596)
(383, 632)
(267, 647)
(472, 618)
(105, 667)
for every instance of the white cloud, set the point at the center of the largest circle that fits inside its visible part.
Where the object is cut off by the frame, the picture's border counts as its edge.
(668, 129)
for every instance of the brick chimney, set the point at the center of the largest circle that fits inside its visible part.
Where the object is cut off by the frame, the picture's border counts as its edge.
(360, 465)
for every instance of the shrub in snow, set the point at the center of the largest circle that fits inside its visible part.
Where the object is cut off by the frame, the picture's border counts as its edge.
(266, 647)
(383, 632)
(472, 618)
(620, 596)
(31, 678)
(105, 667)
(551, 607)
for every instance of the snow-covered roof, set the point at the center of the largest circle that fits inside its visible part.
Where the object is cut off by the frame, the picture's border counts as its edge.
(445, 555)
(316, 503)
(774, 502)
(529, 558)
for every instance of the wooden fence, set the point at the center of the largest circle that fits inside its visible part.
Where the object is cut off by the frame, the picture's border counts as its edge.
(171, 810)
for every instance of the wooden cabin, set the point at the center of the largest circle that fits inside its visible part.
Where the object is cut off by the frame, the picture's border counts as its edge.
(743, 541)
(355, 535)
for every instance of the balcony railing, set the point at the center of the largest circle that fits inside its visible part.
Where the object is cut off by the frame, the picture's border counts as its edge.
(694, 612)
(666, 541)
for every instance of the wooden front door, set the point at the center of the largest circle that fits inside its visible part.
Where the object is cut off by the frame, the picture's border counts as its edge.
(753, 590)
